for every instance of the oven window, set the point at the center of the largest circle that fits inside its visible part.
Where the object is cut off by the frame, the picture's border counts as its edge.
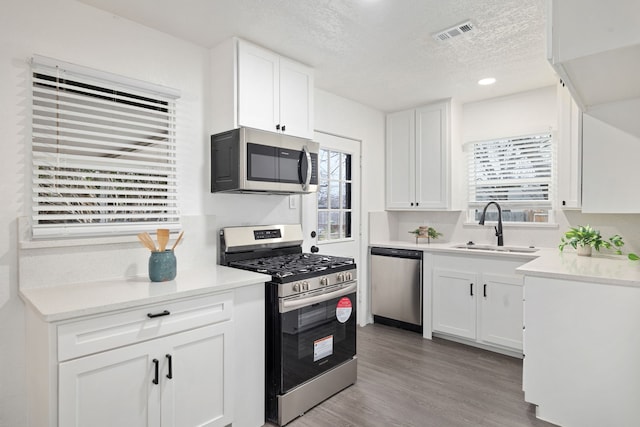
(317, 338)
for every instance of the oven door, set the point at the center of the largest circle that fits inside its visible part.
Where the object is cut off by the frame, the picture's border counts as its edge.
(317, 333)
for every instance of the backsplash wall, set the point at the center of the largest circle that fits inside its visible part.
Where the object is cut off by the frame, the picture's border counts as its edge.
(455, 229)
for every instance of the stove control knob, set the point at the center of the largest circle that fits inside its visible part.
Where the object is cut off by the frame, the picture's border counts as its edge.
(305, 286)
(324, 281)
(296, 287)
(349, 276)
(340, 277)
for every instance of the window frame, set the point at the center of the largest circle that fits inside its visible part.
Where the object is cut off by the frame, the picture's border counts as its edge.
(345, 178)
(545, 141)
(103, 153)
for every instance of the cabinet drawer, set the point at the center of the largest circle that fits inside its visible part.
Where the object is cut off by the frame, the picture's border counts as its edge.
(131, 326)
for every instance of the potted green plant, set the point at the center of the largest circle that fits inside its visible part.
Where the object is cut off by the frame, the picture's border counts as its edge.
(426, 232)
(585, 238)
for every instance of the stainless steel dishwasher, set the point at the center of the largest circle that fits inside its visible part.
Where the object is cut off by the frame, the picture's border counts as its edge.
(396, 287)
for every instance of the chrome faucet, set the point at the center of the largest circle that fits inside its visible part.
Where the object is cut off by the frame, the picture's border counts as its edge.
(499, 227)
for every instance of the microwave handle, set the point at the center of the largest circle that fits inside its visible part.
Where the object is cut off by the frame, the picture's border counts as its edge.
(307, 179)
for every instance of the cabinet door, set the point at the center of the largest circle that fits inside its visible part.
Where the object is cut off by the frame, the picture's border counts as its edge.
(454, 302)
(296, 99)
(199, 390)
(432, 141)
(500, 313)
(569, 151)
(258, 87)
(112, 388)
(400, 160)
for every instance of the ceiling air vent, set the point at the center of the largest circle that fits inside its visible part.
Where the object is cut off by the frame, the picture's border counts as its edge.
(456, 30)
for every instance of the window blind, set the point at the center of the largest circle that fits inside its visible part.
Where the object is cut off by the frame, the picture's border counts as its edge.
(515, 172)
(103, 153)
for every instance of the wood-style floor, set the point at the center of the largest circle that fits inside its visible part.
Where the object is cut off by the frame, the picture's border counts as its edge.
(405, 380)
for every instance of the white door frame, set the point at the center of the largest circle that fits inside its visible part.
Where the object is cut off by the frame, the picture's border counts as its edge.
(308, 218)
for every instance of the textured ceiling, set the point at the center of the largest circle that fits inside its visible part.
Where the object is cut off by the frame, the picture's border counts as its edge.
(380, 53)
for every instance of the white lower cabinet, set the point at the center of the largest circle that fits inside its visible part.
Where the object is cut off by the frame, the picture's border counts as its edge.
(179, 380)
(582, 346)
(478, 299)
(184, 362)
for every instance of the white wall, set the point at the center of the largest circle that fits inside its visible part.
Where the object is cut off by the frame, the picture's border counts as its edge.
(74, 32)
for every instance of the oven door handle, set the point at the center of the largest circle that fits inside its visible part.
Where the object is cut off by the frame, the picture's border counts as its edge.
(290, 305)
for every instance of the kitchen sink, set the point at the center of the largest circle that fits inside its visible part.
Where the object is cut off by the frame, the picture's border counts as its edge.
(495, 248)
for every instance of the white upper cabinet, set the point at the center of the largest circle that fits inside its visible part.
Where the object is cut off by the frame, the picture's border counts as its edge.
(258, 88)
(418, 158)
(569, 139)
(595, 48)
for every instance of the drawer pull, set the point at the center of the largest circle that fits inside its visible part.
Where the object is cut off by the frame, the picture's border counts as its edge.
(164, 313)
(156, 367)
(170, 373)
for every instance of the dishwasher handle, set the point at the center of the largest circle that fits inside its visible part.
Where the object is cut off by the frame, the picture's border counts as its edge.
(397, 253)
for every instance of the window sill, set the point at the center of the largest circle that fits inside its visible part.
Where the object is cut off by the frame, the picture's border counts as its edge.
(73, 242)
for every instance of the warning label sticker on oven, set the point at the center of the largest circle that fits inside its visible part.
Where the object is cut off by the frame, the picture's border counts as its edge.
(322, 348)
(344, 309)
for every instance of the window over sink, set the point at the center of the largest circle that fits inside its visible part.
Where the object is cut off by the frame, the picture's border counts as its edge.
(103, 152)
(516, 172)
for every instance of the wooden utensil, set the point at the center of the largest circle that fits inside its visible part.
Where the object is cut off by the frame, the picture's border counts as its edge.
(177, 240)
(147, 241)
(163, 238)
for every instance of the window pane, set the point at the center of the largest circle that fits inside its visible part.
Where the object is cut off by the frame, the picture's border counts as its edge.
(346, 195)
(347, 167)
(334, 193)
(334, 224)
(334, 166)
(346, 221)
(323, 225)
(323, 196)
(324, 165)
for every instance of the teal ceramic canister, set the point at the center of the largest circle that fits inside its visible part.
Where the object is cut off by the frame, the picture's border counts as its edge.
(162, 266)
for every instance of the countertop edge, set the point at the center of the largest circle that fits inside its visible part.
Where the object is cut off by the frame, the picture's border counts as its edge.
(71, 301)
(550, 263)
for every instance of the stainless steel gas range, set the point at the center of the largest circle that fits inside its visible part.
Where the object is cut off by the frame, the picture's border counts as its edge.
(310, 316)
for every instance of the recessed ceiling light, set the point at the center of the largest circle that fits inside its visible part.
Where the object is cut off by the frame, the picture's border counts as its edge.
(487, 81)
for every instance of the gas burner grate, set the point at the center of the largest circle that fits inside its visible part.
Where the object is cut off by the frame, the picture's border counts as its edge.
(294, 266)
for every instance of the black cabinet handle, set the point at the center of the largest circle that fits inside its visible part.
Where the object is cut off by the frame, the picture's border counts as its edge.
(417, 203)
(170, 373)
(278, 126)
(471, 289)
(164, 313)
(485, 290)
(156, 368)
(411, 203)
(283, 128)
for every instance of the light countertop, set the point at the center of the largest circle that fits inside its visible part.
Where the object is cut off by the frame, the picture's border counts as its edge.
(599, 268)
(65, 302)
(547, 262)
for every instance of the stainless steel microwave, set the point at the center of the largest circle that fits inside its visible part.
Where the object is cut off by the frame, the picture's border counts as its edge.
(256, 161)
